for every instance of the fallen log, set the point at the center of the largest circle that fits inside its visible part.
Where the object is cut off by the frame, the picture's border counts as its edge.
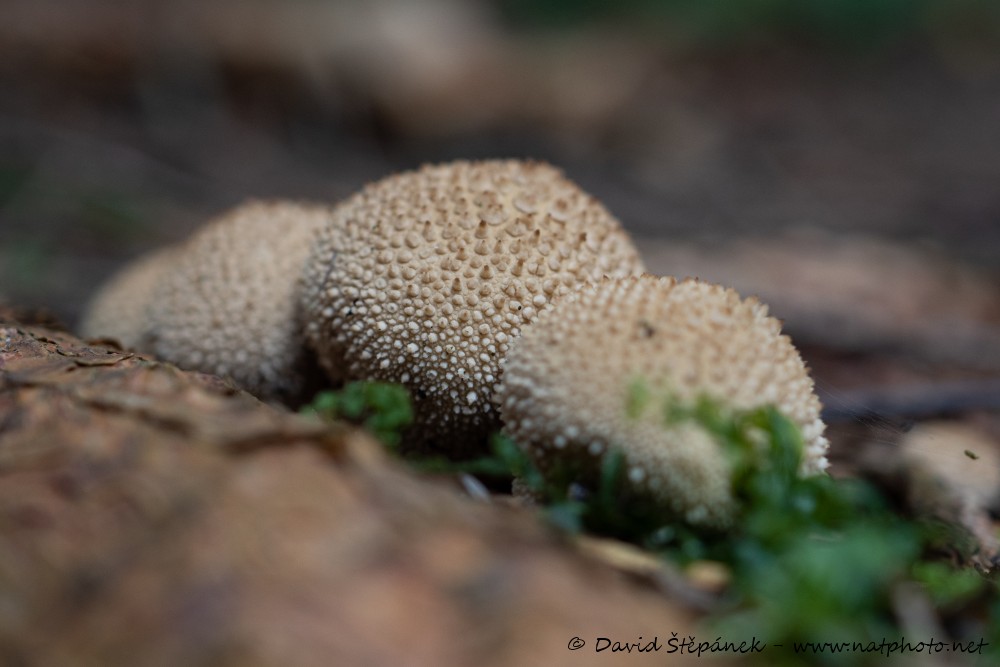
(159, 517)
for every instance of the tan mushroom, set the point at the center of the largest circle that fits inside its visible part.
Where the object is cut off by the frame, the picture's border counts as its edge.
(568, 382)
(120, 308)
(425, 278)
(230, 303)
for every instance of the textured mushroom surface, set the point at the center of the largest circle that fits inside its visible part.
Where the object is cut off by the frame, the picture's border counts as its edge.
(121, 307)
(568, 379)
(425, 278)
(230, 304)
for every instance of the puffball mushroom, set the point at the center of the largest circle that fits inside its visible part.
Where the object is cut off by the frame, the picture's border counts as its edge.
(424, 278)
(567, 380)
(229, 304)
(120, 308)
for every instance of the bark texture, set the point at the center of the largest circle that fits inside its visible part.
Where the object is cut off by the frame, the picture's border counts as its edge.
(150, 516)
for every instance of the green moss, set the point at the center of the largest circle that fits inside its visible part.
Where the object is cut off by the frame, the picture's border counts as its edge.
(813, 559)
(380, 407)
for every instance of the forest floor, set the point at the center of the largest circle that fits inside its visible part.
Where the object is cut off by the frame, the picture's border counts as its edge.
(855, 194)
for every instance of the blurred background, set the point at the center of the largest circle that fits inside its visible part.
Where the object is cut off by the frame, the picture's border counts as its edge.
(838, 157)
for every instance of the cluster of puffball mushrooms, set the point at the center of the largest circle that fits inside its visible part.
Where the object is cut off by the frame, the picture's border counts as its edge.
(500, 295)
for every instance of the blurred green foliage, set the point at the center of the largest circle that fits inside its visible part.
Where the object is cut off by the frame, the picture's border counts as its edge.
(840, 24)
(946, 587)
(110, 215)
(380, 407)
(13, 178)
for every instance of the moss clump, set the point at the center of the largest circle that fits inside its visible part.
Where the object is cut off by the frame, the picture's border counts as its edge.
(814, 561)
(383, 408)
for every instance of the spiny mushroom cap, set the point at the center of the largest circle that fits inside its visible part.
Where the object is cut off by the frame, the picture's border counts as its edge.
(568, 379)
(120, 308)
(230, 304)
(427, 276)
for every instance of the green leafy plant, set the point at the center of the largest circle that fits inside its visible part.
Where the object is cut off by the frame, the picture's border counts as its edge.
(814, 561)
(382, 408)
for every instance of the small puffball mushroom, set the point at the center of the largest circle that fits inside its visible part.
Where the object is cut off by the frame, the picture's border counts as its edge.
(230, 303)
(426, 277)
(567, 384)
(120, 308)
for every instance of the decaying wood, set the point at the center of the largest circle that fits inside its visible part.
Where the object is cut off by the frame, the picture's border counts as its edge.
(158, 517)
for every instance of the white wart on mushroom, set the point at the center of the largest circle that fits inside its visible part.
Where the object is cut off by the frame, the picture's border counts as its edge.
(565, 404)
(424, 278)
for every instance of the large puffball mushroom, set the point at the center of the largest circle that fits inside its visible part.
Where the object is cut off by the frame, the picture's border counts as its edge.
(568, 383)
(426, 277)
(230, 303)
(121, 307)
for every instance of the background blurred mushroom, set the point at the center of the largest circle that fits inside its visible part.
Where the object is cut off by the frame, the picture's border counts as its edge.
(229, 303)
(225, 302)
(684, 340)
(425, 277)
(121, 307)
